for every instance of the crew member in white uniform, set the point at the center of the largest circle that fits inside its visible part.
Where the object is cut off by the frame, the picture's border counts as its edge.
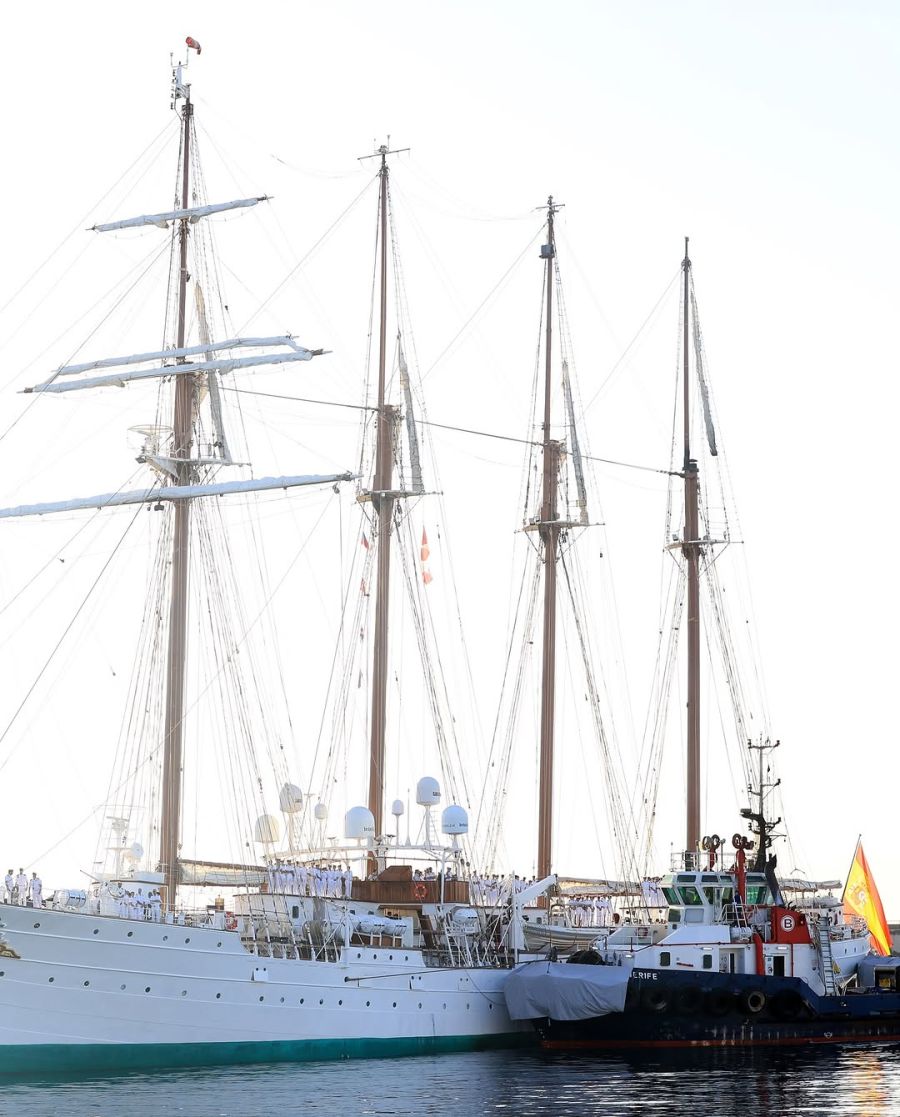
(37, 888)
(10, 882)
(21, 888)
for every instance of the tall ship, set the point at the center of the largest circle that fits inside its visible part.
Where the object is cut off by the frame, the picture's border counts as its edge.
(734, 959)
(308, 946)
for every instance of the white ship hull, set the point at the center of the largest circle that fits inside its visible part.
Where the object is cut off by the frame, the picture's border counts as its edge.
(99, 992)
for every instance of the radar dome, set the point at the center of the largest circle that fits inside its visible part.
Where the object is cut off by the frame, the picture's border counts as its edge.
(454, 820)
(320, 812)
(267, 829)
(359, 822)
(397, 808)
(428, 792)
(290, 798)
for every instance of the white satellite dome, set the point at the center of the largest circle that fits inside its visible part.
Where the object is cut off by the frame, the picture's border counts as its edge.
(290, 798)
(320, 812)
(454, 820)
(359, 822)
(267, 829)
(428, 792)
(397, 808)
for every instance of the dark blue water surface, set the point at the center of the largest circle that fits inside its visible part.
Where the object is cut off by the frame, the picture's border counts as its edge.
(839, 1081)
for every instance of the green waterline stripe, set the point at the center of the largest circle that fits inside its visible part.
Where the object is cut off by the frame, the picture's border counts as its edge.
(60, 1059)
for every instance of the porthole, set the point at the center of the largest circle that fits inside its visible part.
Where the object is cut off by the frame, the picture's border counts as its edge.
(262, 998)
(444, 1004)
(218, 944)
(395, 1004)
(358, 954)
(147, 990)
(184, 992)
(86, 984)
(122, 987)
(187, 940)
(36, 926)
(282, 1000)
(467, 1006)
(374, 955)
(301, 1000)
(420, 1004)
(51, 979)
(390, 957)
(218, 996)
(96, 930)
(130, 933)
(321, 1002)
(340, 1002)
(165, 938)
(368, 1003)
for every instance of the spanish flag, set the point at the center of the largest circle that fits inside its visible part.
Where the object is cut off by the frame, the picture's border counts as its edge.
(861, 898)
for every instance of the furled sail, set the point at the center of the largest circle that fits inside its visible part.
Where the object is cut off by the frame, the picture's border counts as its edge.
(229, 364)
(701, 376)
(194, 213)
(411, 433)
(185, 351)
(172, 493)
(576, 447)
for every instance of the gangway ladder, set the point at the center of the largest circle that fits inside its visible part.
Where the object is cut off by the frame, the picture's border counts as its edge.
(826, 959)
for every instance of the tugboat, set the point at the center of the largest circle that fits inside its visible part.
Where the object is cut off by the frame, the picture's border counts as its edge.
(737, 966)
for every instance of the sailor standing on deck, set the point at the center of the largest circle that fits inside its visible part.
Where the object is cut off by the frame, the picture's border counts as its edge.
(37, 889)
(10, 883)
(21, 888)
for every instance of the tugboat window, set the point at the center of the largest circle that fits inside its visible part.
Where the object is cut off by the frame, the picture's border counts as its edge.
(665, 958)
(690, 895)
(707, 961)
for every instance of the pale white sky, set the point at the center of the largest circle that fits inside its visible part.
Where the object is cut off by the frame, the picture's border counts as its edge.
(767, 134)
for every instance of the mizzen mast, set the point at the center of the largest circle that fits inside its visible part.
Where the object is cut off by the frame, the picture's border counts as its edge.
(691, 552)
(549, 531)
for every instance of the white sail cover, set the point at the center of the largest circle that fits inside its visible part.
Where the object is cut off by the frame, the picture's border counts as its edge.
(161, 220)
(119, 379)
(172, 493)
(185, 351)
(565, 990)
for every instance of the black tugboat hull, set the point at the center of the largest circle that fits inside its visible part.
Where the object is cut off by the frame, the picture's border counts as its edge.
(729, 1011)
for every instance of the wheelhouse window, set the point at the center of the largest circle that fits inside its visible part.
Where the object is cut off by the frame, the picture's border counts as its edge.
(689, 895)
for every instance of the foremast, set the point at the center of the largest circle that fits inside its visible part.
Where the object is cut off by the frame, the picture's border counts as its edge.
(185, 473)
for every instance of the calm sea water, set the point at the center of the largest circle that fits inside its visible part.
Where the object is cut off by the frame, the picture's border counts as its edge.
(842, 1081)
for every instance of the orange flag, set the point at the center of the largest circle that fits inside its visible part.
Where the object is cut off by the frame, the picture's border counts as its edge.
(861, 898)
(424, 553)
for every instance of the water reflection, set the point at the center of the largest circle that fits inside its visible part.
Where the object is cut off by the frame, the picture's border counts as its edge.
(827, 1082)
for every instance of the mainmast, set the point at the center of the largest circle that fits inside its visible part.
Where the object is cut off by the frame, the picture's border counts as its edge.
(185, 390)
(549, 529)
(691, 551)
(383, 500)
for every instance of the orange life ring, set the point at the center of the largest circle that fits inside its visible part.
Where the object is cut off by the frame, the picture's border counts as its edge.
(420, 891)
(230, 922)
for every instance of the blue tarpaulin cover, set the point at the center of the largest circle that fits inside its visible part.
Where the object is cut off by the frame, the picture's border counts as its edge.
(565, 991)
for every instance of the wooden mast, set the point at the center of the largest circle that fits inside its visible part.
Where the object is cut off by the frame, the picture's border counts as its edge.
(383, 503)
(549, 534)
(691, 551)
(170, 825)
